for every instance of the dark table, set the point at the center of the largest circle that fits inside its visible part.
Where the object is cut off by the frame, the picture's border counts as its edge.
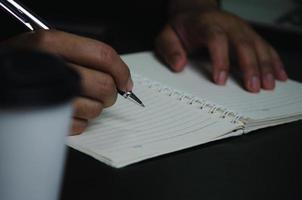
(264, 164)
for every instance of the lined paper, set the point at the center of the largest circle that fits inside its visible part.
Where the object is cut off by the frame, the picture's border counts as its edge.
(285, 100)
(127, 133)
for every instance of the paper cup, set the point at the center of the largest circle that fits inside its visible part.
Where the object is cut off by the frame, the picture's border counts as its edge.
(36, 93)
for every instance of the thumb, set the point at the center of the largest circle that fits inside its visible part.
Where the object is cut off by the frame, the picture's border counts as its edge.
(170, 49)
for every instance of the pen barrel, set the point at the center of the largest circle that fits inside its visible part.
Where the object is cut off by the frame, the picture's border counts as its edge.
(23, 14)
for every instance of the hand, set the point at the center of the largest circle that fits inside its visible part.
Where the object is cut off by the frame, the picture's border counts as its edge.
(100, 67)
(221, 33)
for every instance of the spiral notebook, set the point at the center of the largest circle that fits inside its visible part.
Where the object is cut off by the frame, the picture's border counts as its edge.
(182, 110)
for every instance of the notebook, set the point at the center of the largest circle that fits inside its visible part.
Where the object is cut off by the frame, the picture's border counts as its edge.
(182, 110)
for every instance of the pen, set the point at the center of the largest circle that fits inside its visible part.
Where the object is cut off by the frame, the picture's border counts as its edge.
(32, 22)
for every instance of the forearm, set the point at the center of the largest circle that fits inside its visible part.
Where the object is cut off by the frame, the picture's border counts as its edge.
(179, 6)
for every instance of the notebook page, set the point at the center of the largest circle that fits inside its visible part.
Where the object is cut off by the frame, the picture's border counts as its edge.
(127, 133)
(284, 101)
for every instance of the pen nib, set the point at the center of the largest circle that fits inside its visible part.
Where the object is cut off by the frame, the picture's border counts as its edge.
(136, 99)
(131, 96)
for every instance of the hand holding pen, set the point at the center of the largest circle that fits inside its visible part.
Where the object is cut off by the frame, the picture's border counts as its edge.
(101, 68)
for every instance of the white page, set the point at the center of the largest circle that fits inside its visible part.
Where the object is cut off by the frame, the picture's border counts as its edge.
(127, 133)
(285, 100)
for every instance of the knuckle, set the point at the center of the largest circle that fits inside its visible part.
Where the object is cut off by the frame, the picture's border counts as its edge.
(107, 54)
(108, 92)
(250, 68)
(216, 32)
(222, 66)
(87, 109)
(111, 101)
(95, 110)
(79, 108)
(259, 41)
(266, 66)
(77, 103)
(244, 42)
(108, 84)
(251, 71)
(43, 38)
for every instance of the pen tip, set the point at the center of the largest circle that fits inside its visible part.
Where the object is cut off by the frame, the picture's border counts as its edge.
(135, 99)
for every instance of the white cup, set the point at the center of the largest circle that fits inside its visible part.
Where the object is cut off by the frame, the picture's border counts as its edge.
(32, 152)
(36, 94)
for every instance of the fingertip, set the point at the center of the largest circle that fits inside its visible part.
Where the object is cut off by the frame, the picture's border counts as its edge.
(177, 62)
(220, 77)
(268, 82)
(253, 84)
(282, 75)
(280, 72)
(130, 84)
(78, 126)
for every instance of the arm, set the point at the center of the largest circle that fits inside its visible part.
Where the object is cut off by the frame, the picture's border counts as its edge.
(201, 23)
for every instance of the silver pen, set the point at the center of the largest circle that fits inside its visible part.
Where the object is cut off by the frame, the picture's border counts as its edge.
(32, 22)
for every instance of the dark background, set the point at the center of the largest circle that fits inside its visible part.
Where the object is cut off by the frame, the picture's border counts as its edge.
(264, 164)
(107, 21)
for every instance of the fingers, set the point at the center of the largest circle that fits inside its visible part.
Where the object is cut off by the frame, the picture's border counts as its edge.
(104, 70)
(218, 30)
(85, 108)
(278, 66)
(248, 63)
(265, 65)
(82, 51)
(169, 47)
(98, 91)
(97, 85)
(259, 62)
(100, 67)
(218, 48)
(78, 126)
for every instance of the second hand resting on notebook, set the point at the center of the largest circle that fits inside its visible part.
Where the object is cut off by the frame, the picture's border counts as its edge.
(200, 23)
(102, 70)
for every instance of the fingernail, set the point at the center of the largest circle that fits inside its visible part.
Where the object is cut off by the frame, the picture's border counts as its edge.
(174, 61)
(283, 75)
(221, 78)
(130, 84)
(268, 81)
(254, 84)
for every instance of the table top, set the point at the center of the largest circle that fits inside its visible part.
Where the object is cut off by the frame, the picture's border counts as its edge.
(265, 164)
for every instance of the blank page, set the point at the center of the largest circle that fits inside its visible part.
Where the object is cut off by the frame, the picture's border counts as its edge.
(127, 133)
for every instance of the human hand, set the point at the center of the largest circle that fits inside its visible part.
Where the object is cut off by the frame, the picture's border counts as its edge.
(223, 34)
(100, 67)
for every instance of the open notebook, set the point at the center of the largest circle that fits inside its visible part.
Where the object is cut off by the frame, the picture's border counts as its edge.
(182, 110)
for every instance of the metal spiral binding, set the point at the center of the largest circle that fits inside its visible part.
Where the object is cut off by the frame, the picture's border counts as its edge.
(202, 104)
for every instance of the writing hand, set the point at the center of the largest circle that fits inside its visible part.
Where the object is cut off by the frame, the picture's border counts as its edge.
(100, 67)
